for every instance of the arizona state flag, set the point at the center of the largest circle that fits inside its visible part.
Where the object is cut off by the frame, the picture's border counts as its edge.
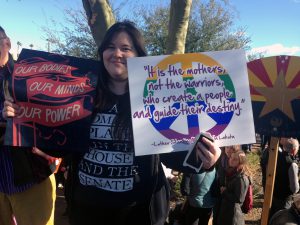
(275, 95)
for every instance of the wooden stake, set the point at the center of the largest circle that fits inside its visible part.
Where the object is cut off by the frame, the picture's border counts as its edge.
(270, 179)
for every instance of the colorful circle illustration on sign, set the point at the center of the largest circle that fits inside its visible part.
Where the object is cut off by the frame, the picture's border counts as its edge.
(189, 87)
(275, 92)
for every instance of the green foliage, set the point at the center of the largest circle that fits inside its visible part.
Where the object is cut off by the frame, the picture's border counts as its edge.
(176, 189)
(210, 28)
(72, 38)
(155, 30)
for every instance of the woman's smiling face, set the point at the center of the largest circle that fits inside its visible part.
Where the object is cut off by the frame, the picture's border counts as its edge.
(234, 160)
(115, 55)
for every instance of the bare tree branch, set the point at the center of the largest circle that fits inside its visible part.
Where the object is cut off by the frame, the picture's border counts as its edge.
(178, 25)
(100, 17)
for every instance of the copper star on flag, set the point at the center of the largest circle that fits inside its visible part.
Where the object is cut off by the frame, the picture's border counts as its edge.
(278, 97)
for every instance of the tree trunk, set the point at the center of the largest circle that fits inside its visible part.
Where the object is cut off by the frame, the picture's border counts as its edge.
(178, 25)
(100, 17)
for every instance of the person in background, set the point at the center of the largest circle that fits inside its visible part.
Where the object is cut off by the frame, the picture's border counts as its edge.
(246, 148)
(199, 190)
(265, 141)
(5, 46)
(27, 188)
(221, 167)
(233, 194)
(223, 163)
(289, 216)
(286, 179)
(265, 158)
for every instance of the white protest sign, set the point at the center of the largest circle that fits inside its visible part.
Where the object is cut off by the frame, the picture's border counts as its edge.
(175, 97)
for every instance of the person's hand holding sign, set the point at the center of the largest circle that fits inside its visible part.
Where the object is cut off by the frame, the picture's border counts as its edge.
(203, 153)
(209, 154)
(10, 109)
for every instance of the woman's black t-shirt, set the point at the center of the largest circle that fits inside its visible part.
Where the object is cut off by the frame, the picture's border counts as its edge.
(109, 174)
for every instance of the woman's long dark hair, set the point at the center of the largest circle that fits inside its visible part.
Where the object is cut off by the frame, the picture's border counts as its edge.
(2, 30)
(105, 98)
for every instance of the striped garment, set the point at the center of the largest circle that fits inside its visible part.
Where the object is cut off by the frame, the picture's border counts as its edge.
(1, 96)
(6, 169)
(6, 174)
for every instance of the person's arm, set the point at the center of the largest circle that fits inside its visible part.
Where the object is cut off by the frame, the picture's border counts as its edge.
(293, 178)
(221, 176)
(185, 184)
(49, 158)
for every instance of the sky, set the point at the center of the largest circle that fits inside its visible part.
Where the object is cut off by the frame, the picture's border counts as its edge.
(272, 25)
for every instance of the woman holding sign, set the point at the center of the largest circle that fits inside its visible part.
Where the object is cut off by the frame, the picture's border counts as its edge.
(110, 185)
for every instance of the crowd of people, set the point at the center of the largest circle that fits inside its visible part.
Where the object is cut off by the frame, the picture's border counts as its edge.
(28, 187)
